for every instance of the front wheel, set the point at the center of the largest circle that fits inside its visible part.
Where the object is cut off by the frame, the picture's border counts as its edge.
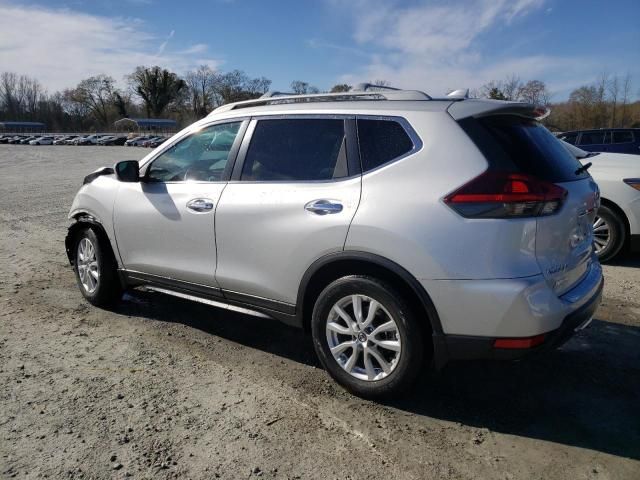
(367, 337)
(96, 269)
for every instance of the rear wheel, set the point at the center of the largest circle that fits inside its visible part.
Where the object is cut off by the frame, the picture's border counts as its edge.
(367, 337)
(609, 233)
(96, 269)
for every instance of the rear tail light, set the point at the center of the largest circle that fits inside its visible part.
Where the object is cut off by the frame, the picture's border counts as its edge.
(633, 182)
(506, 195)
(516, 343)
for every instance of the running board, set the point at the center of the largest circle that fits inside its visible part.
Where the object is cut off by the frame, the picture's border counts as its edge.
(206, 301)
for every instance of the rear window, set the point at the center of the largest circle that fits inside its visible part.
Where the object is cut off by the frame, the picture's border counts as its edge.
(592, 138)
(622, 136)
(516, 144)
(381, 141)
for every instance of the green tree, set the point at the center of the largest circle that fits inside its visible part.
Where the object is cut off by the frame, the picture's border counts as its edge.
(157, 87)
(340, 87)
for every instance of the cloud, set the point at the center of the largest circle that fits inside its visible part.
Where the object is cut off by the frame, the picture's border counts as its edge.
(441, 45)
(164, 44)
(60, 47)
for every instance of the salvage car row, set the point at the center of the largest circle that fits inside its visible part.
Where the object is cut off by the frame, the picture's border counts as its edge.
(151, 141)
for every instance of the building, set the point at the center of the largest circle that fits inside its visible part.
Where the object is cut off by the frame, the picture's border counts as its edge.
(155, 125)
(21, 127)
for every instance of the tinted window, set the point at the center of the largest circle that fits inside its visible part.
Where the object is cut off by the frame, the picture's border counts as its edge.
(296, 150)
(202, 156)
(592, 138)
(381, 141)
(516, 144)
(623, 136)
(569, 138)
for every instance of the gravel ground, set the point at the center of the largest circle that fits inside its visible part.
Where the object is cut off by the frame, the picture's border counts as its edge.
(162, 388)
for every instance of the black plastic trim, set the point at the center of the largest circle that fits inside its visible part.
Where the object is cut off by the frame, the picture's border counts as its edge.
(283, 312)
(80, 220)
(634, 243)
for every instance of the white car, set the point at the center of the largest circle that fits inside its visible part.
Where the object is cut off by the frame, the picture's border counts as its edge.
(42, 141)
(398, 229)
(617, 224)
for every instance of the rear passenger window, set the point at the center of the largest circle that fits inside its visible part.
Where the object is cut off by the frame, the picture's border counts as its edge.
(592, 138)
(381, 141)
(296, 150)
(624, 136)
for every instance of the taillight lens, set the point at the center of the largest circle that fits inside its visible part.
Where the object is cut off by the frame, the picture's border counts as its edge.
(633, 182)
(506, 195)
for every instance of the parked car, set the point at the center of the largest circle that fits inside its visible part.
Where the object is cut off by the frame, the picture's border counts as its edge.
(64, 140)
(105, 138)
(147, 143)
(157, 142)
(42, 141)
(616, 140)
(114, 140)
(88, 140)
(137, 141)
(5, 138)
(16, 139)
(617, 223)
(397, 229)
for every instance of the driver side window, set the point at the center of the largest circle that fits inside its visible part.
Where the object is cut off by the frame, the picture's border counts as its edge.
(201, 156)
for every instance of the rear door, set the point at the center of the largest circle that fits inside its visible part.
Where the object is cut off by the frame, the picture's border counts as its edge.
(622, 141)
(293, 194)
(564, 239)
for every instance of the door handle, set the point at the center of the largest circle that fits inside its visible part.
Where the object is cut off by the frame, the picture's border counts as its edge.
(323, 207)
(200, 205)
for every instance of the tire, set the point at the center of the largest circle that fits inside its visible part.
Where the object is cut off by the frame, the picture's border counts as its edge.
(105, 289)
(401, 350)
(609, 233)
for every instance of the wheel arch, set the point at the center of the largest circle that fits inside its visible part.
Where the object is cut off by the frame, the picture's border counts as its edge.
(333, 266)
(81, 220)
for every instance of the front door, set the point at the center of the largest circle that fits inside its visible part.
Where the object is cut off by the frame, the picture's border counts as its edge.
(290, 202)
(164, 225)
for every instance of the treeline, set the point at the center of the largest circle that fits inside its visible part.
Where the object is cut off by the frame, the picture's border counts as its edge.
(607, 103)
(154, 92)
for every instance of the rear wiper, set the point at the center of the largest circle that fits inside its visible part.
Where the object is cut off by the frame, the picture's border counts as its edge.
(583, 168)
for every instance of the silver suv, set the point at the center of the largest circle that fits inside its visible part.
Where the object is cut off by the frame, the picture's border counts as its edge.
(398, 229)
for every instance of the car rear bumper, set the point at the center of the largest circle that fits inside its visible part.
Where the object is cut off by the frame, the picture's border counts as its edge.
(545, 320)
(461, 347)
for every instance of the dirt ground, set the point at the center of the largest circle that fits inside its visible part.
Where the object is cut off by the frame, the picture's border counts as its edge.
(163, 388)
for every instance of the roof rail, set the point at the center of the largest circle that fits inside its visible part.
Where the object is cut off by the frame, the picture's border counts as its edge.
(273, 93)
(363, 87)
(276, 98)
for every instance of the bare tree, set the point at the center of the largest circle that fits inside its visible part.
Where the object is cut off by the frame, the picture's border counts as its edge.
(302, 88)
(96, 94)
(201, 84)
(534, 91)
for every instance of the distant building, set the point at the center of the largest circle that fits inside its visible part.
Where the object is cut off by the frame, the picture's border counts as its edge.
(22, 126)
(146, 124)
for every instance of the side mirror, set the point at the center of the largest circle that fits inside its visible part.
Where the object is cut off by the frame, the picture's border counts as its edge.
(128, 171)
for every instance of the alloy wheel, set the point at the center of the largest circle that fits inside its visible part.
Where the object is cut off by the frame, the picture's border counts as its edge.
(363, 337)
(87, 265)
(601, 234)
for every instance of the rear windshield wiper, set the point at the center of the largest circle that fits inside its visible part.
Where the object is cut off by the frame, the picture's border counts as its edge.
(583, 168)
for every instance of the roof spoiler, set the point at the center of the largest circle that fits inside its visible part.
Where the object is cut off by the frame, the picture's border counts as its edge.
(485, 108)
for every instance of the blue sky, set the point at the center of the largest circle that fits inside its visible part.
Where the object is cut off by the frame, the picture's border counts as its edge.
(428, 45)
